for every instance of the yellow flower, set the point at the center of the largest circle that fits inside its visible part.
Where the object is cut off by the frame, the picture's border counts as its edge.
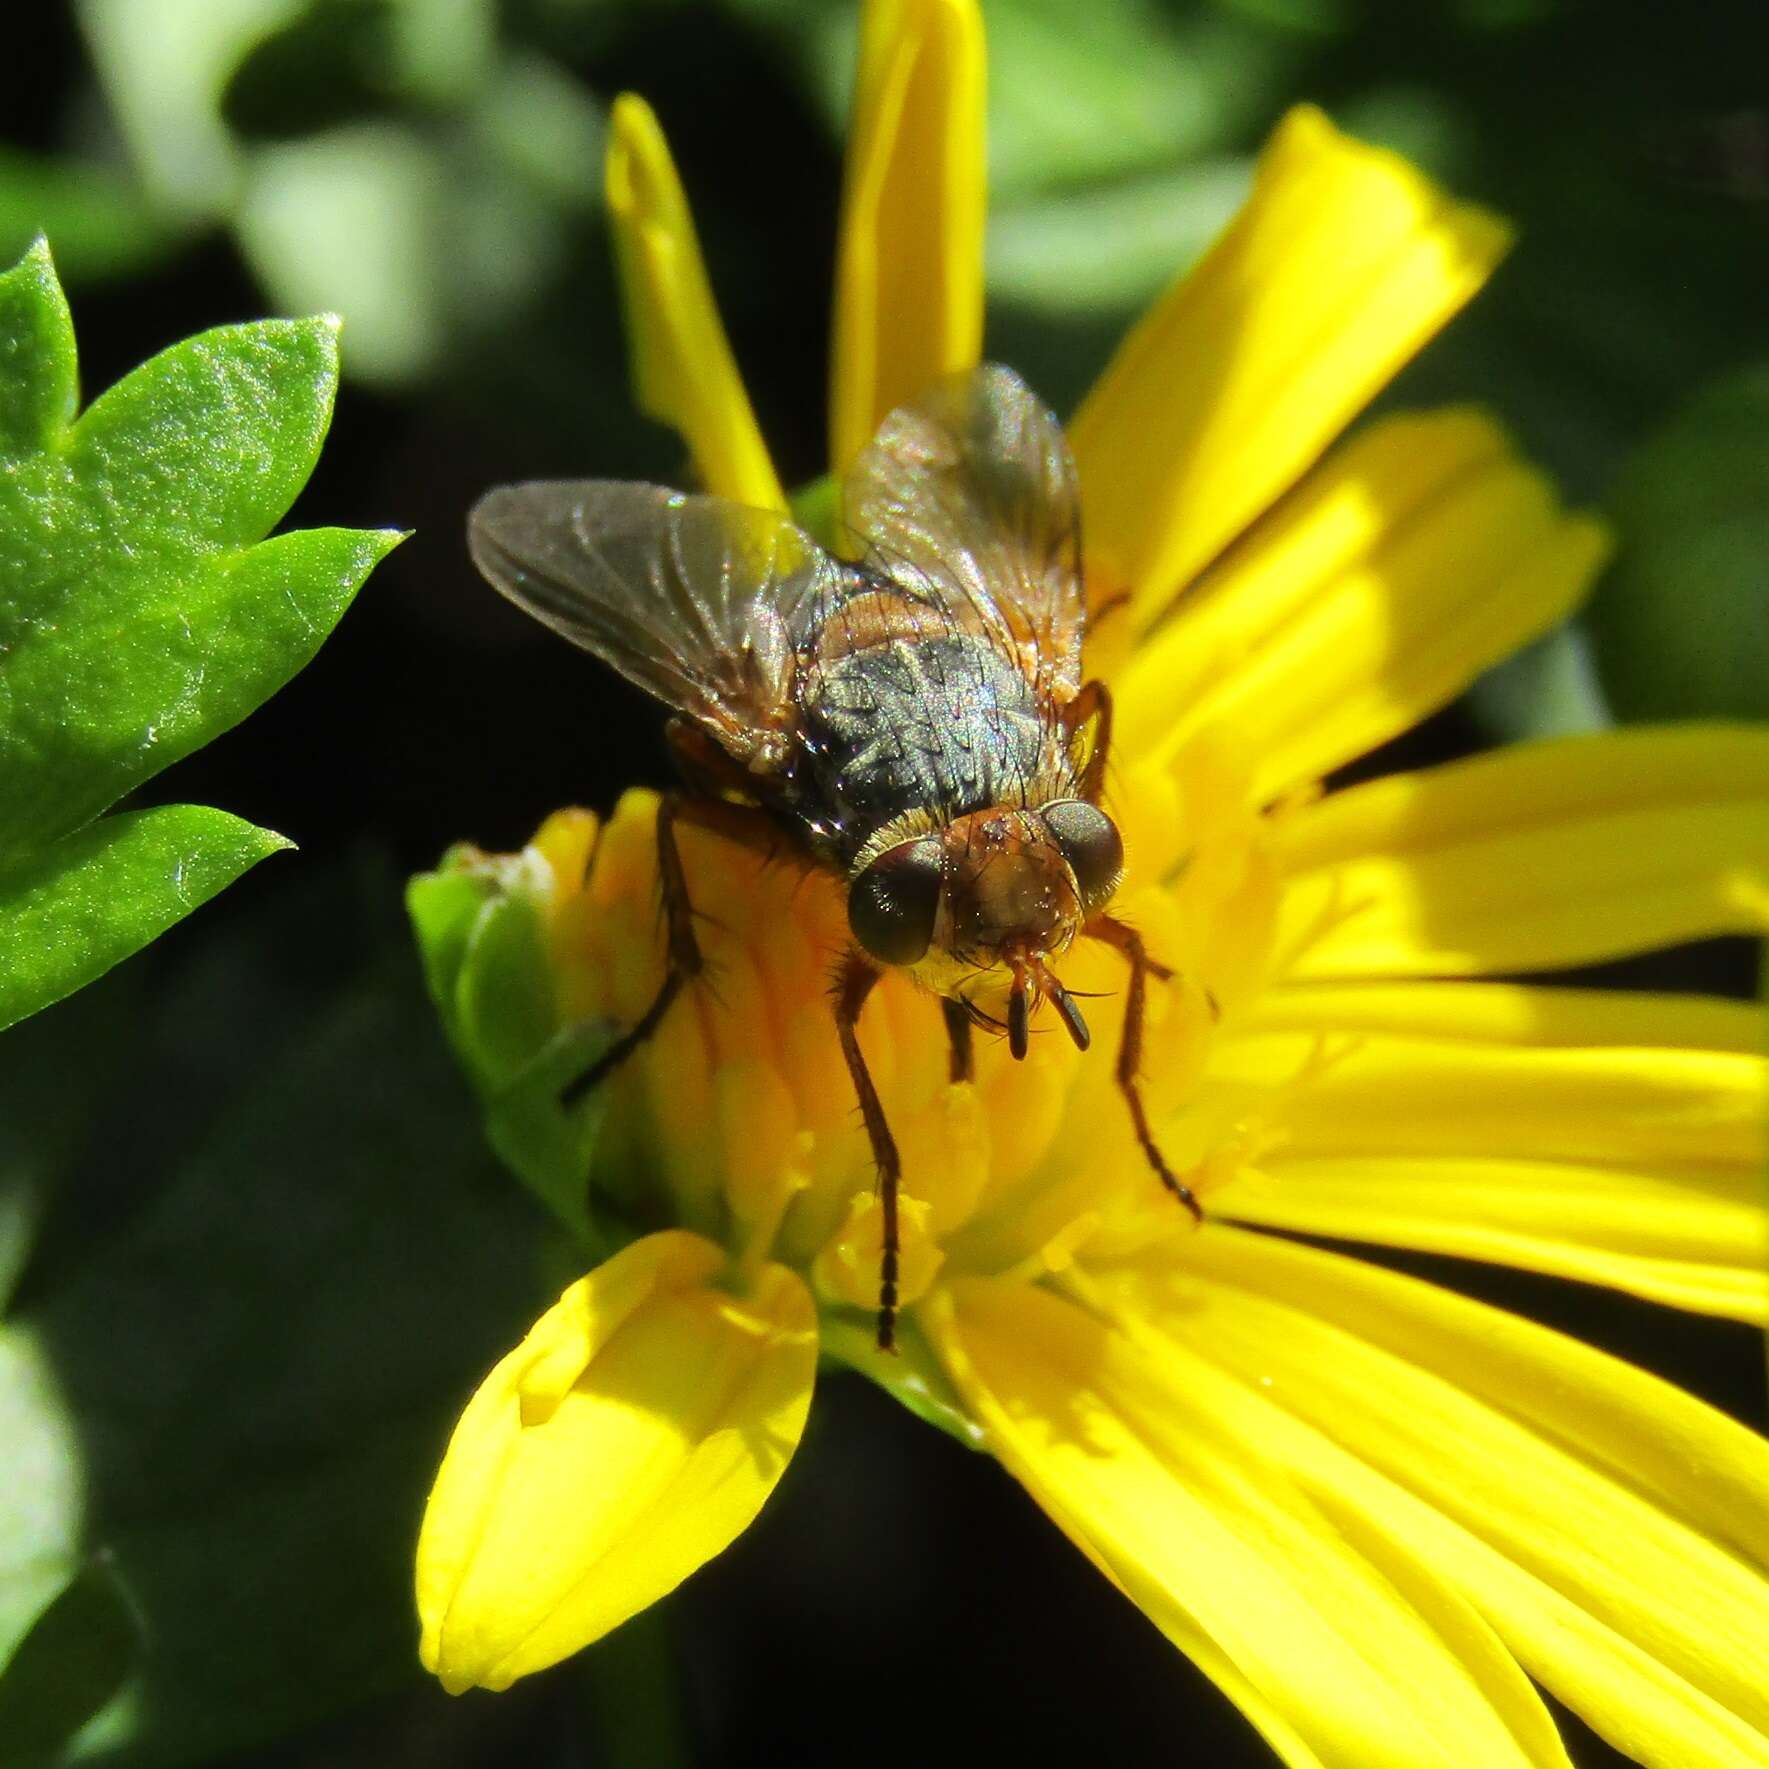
(1375, 1512)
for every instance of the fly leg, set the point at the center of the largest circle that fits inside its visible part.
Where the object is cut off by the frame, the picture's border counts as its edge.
(853, 984)
(1128, 941)
(739, 823)
(1093, 702)
(685, 959)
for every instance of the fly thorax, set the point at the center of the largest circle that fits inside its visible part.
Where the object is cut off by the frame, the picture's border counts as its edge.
(940, 722)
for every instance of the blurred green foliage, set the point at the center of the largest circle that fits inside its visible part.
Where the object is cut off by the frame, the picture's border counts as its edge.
(221, 1416)
(1682, 622)
(390, 160)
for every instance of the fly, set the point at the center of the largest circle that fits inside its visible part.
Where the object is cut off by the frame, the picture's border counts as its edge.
(914, 721)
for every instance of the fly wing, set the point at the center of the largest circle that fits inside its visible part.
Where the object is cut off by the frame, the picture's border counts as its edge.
(694, 599)
(968, 493)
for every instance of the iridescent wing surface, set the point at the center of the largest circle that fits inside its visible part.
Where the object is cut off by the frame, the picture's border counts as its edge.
(694, 599)
(968, 494)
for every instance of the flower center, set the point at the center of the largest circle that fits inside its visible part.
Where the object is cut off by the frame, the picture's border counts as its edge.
(738, 1119)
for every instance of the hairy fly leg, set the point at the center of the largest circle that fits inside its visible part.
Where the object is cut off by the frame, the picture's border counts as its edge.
(1125, 939)
(742, 824)
(853, 984)
(1093, 702)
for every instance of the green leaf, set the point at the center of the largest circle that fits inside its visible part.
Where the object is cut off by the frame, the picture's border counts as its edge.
(353, 219)
(425, 237)
(137, 621)
(142, 613)
(283, 1599)
(114, 694)
(1681, 622)
(89, 900)
(38, 384)
(54, 1072)
(1078, 94)
(334, 60)
(28, 1588)
(206, 446)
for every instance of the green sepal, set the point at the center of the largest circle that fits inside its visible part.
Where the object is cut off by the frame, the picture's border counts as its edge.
(912, 1375)
(481, 931)
(505, 1003)
(816, 508)
(74, 909)
(443, 906)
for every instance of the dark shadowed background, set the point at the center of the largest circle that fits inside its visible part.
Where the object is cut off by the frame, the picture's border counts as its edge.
(269, 1257)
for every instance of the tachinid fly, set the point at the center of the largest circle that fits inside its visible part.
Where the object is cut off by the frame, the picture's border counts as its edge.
(914, 720)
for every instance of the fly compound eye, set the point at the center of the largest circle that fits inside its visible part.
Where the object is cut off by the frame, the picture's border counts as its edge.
(1091, 844)
(892, 904)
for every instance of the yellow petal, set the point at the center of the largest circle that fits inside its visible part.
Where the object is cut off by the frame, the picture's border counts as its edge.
(1698, 1242)
(1356, 1657)
(1343, 262)
(1376, 1093)
(683, 372)
(566, 841)
(1417, 556)
(909, 258)
(1513, 1013)
(1545, 854)
(634, 1433)
(1695, 1236)
(1610, 1527)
